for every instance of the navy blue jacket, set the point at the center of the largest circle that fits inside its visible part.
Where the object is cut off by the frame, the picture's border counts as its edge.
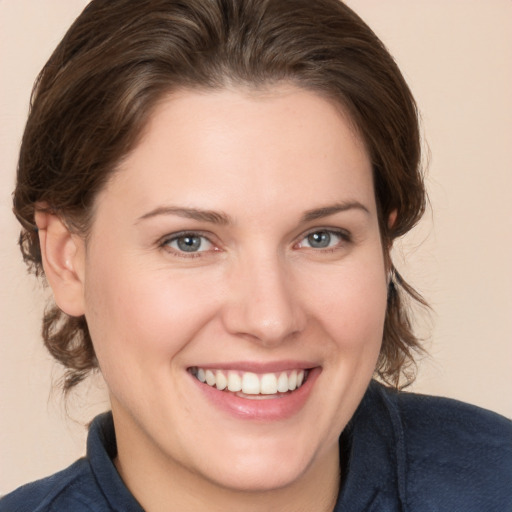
(403, 452)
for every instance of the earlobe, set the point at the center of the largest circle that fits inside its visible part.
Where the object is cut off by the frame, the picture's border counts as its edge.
(62, 254)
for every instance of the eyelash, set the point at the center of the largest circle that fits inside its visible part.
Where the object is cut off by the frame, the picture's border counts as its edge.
(165, 244)
(343, 235)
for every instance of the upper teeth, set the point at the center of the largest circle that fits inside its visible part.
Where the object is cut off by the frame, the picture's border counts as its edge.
(251, 383)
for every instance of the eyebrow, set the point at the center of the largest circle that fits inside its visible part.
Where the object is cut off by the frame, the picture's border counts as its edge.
(211, 216)
(326, 211)
(223, 219)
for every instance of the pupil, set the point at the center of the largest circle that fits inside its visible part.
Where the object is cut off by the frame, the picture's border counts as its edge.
(189, 243)
(320, 239)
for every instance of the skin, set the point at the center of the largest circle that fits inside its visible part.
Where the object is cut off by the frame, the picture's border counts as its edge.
(256, 291)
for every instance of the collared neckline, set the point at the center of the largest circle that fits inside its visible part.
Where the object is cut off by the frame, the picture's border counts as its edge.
(373, 441)
(101, 452)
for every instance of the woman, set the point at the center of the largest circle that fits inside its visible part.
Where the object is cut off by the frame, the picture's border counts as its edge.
(212, 190)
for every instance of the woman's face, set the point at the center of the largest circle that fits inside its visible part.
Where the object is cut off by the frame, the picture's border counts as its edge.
(238, 243)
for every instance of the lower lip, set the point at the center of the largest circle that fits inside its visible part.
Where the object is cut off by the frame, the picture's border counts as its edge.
(267, 409)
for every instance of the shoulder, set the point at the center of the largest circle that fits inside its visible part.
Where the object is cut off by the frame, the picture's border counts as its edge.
(73, 489)
(454, 452)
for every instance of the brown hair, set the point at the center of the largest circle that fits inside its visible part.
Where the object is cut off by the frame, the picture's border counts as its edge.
(120, 57)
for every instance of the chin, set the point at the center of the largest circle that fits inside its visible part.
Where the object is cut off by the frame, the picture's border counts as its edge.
(266, 465)
(258, 476)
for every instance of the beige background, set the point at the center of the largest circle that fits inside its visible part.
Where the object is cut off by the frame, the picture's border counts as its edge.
(457, 57)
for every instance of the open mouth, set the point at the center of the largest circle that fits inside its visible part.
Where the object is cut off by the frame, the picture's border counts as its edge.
(252, 385)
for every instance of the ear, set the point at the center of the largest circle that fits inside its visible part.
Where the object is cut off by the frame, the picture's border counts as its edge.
(387, 253)
(392, 219)
(63, 261)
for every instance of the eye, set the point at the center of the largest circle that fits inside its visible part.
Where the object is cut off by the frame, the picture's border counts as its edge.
(188, 243)
(323, 239)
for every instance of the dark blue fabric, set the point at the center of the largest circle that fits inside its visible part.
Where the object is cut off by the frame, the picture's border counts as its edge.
(417, 453)
(91, 484)
(402, 452)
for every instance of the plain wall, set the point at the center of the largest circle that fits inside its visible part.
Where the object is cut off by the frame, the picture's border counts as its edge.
(457, 58)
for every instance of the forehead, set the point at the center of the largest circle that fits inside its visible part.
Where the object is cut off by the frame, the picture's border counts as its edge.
(260, 146)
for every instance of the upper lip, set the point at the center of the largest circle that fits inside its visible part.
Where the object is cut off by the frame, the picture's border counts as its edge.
(259, 367)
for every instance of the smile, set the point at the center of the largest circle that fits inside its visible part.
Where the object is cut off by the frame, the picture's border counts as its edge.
(252, 385)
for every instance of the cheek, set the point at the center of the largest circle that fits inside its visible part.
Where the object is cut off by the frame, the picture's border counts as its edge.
(350, 306)
(138, 317)
(351, 302)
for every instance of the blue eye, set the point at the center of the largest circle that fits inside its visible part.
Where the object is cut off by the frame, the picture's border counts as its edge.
(323, 239)
(189, 243)
(319, 240)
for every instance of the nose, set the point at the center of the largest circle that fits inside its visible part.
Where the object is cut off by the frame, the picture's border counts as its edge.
(263, 303)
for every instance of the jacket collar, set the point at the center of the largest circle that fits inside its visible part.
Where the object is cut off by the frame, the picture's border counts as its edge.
(373, 442)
